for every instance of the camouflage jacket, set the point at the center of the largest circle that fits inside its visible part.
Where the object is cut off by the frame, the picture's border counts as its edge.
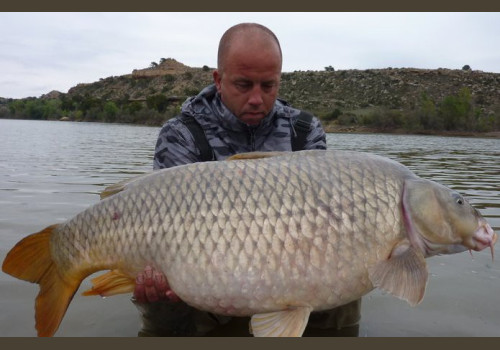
(226, 134)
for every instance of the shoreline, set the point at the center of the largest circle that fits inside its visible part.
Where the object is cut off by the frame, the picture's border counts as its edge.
(336, 129)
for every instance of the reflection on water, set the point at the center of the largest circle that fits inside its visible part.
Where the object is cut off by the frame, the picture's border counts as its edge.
(49, 171)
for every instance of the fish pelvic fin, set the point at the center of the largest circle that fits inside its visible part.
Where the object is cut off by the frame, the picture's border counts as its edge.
(287, 323)
(403, 275)
(111, 283)
(31, 260)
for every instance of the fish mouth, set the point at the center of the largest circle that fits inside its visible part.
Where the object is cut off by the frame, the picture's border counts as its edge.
(483, 238)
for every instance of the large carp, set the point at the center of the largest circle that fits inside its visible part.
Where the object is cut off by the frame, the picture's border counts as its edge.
(273, 236)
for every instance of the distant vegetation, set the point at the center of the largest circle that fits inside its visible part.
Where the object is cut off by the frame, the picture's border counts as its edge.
(155, 111)
(452, 113)
(385, 100)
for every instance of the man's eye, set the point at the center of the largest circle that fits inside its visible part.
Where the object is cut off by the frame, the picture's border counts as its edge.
(268, 86)
(243, 85)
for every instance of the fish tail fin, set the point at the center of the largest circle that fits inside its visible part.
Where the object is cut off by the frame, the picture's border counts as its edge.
(31, 260)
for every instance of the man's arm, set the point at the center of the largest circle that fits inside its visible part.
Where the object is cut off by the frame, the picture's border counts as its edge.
(316, 139)
(175, 146)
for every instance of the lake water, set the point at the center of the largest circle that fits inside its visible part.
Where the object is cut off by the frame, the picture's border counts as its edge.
(50, 171)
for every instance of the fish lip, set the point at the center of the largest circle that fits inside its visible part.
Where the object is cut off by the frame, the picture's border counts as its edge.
(483, 237)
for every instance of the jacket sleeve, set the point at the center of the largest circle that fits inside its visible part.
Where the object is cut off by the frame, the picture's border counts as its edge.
(175, 146)
(316, 139)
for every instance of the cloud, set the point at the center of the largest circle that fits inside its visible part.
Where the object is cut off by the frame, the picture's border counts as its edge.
(55, 51)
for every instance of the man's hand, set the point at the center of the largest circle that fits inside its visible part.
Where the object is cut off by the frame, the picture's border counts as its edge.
(151, 286)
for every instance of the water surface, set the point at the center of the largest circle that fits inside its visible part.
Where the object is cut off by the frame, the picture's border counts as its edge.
(50, 171)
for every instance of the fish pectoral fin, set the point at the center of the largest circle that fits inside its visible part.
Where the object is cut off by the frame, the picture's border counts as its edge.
(287, 323)
(255, 155)
(111, 283)
(404, 274)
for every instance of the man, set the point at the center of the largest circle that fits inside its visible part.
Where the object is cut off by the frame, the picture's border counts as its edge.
(239, 113)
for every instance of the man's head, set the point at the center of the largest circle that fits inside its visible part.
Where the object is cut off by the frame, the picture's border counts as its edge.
(248, 71)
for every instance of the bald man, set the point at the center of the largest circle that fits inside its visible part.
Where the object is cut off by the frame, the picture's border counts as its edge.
(240, 112)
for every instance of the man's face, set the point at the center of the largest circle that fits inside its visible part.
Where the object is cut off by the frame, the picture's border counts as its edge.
(250, 80)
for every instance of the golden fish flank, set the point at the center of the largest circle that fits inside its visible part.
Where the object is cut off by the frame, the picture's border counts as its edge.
(273, 236)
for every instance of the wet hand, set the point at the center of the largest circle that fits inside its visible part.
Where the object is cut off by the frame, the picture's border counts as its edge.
(152, 286)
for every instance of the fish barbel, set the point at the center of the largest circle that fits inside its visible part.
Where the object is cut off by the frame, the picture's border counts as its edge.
(273, 236)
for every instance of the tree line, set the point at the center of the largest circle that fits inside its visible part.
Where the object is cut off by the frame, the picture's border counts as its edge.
(452, 113)
(154, 110)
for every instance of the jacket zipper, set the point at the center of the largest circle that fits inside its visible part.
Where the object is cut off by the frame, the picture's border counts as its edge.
(252, 138)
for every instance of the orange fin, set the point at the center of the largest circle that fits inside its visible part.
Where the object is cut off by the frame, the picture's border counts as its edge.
(255, 155)
(30, 260)
(111, 283)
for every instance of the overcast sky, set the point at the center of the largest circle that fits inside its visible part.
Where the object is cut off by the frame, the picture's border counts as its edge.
(41, 52)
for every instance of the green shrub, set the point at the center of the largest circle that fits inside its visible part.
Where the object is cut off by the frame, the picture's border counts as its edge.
(157, 102)
(332, 115)
(191, 91)
(347, 119)
(456, 111)
(110, 110)
(169, 78)
(383, 118)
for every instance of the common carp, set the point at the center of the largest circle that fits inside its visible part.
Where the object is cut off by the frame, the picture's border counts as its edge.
(273, 236)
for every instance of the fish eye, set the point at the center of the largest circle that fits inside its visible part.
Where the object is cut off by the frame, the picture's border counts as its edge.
(459, 200)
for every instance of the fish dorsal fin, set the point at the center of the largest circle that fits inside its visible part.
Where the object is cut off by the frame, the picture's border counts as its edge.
(286, 323)
(120, 186)
(404, 274)
(111, 283)
(113, 189)
(255, 155)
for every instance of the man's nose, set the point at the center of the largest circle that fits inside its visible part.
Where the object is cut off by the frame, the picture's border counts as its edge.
(255, 97)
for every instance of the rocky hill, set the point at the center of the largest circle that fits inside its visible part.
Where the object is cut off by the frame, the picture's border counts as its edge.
(171, 78)
(391, 88)
(392, 99)
(318, 91)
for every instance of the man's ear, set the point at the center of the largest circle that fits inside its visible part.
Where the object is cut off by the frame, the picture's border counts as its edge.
(217, 79)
